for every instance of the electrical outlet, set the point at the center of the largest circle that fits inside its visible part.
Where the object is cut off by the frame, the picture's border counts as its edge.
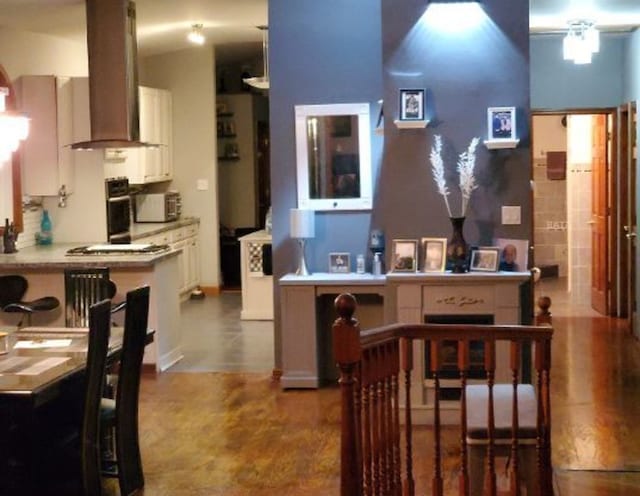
(202, 184)
(510, 215)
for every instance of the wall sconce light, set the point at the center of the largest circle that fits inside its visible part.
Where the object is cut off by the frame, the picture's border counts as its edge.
(302, 226)
(13, 128)
(581, 42)
(196, 36)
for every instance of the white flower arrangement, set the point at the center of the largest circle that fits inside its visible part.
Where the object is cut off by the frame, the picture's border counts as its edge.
(466, 179)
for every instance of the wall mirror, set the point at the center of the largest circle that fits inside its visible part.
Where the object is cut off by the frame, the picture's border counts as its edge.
(333, 154)
(10, 186)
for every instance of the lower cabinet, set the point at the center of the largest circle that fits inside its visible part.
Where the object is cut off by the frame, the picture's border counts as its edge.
(184, 239)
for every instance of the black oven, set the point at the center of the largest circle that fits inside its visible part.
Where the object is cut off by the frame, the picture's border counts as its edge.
(118, 210)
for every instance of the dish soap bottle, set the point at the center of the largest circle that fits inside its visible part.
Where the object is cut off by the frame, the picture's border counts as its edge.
(46, 237)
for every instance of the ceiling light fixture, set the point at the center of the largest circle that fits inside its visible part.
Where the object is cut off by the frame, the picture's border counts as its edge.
(581, 42)
(196, 36)
(262, 82)
(13, 128)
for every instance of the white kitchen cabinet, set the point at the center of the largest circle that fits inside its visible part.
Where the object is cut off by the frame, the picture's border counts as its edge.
(185, 240)
(148, 164)
(47, 159)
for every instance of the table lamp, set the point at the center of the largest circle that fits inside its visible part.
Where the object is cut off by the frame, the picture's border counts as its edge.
(302, 227)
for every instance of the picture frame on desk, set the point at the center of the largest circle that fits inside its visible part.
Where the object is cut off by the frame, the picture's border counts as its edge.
(434, 254)
(412, 104)
(339, 263)
(513, 254)
(404, 255)
(485, 259)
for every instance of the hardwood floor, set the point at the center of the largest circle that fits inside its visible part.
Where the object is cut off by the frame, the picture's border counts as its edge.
(232, 434)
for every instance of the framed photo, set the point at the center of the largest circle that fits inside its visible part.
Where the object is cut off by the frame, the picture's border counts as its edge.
(501, 122)
(412, 105)
(485, 259)
(434, 254)
(513, 254)
(339, 263)
(404, 255)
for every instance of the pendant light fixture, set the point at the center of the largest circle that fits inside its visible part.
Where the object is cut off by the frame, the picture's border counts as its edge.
(14, 128)
(262, 82)
(196, 35)
(581, 42)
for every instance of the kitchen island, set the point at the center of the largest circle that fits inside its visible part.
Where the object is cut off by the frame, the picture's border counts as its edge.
(43, 266)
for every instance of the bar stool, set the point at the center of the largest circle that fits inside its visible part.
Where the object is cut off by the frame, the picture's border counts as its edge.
(12, 290)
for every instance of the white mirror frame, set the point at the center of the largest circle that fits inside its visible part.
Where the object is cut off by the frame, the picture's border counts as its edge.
(365, 201)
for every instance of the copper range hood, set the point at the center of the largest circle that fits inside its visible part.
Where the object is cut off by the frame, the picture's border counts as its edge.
(113, 75)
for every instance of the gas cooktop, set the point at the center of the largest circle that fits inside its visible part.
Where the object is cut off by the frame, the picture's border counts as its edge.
(116, 249)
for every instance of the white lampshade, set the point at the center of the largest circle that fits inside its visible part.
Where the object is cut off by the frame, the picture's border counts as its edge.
(302, 223)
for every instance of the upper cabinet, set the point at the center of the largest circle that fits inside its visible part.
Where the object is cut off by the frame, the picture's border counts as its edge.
(47, 159)
(149, 164)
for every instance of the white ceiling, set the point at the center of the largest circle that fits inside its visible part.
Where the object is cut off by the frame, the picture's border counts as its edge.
(162, 24)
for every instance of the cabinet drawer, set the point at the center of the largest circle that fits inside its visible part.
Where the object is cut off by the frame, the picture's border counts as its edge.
(191, 230)
(458, 299)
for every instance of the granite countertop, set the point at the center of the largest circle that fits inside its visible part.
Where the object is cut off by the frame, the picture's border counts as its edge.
(142, 229)
(55, 257)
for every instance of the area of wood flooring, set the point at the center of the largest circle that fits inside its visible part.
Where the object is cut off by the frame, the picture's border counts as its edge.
(232, 434)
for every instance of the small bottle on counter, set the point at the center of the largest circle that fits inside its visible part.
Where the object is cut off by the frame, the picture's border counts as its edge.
(377, 265)
(46, 236)
(360, 264)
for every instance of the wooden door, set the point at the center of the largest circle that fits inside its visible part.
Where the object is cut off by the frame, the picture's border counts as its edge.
(599, 190)
(626, 232)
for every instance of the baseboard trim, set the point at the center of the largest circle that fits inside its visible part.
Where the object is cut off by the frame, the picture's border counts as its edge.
(211, 290)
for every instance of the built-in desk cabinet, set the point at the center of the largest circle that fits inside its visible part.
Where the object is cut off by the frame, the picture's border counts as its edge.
(473, 297)
(306, 316)
(412, 298)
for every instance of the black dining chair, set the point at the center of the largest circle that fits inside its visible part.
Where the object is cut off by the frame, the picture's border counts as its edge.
(13, 287)
(90, 452)
(82, 288)
(121, 415)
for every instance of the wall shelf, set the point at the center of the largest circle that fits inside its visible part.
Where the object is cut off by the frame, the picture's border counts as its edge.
(501, 144)
(410, 124)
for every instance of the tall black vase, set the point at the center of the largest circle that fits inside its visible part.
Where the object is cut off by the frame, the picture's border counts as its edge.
(457, 248)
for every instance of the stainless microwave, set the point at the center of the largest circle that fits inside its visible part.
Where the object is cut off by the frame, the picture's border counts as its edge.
(157, 207)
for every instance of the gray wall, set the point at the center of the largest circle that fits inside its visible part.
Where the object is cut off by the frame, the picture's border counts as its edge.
(331, 52)
(632, 67)
(464, 73)
(320, 52)
(559, 84)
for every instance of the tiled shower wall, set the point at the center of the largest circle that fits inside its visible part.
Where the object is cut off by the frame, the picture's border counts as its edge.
(550, 196)
(579, 177)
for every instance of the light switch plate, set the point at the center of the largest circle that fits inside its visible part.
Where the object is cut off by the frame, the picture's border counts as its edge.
(202, 184)
(511, 215)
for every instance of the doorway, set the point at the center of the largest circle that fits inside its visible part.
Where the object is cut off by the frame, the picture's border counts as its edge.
(573, 164)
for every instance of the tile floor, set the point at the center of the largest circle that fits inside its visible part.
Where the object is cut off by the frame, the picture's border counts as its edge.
(214, 339)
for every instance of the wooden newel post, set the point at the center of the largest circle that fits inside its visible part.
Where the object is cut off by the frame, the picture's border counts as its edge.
(347, 353)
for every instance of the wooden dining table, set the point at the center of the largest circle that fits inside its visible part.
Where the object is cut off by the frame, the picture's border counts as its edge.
(41, 395)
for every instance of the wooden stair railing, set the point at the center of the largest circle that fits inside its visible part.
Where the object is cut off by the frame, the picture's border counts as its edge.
(377, 446)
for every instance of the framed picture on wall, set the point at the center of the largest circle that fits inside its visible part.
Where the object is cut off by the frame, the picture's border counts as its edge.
(485, 259)
(434, 254)
(339, 263)
(501, 123)
(412, 104)
(404, 255)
